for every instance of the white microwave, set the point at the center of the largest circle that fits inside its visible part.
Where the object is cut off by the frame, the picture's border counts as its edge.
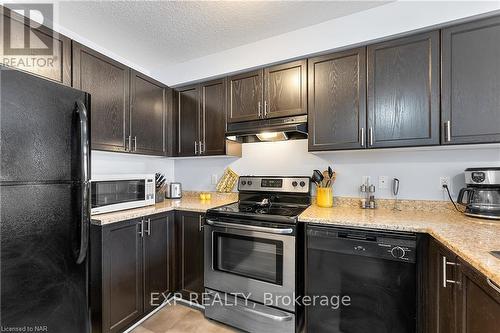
(110, 193)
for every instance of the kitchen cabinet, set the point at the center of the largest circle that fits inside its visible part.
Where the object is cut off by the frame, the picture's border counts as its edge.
(470, 97)
(245, 96)
(337, 100)
(108, 83)
(213, 118)
(159, 259)
(128, 109)
(461, 298)
(147, 115)
(190, 254)
(131, 261)
(201, 120)
(187, 120)
(52, 64)
(285, 89)
(272, 92)
(403, 91)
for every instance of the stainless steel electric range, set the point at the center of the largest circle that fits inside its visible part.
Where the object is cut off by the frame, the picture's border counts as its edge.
(250, 254)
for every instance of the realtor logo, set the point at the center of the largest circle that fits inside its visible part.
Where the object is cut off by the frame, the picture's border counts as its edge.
(24, 39)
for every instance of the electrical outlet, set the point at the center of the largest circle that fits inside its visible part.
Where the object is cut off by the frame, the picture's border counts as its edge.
(444, 181)
(383, 182)
(214, 179)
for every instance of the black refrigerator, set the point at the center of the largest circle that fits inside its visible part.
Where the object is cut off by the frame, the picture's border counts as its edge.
(44, 205)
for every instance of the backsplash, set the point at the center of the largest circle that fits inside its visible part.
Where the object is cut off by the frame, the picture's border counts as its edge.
(418, 169)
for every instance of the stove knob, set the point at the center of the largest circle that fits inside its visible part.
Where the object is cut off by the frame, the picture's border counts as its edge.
(249, 182)
(302, 183)
(294, 183)
(398, 252)
(243, 182)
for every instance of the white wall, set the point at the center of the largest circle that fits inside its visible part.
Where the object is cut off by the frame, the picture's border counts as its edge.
(104, 163)
(418, 169)
(391, 19)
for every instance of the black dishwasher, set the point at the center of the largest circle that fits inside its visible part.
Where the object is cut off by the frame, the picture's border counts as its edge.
(377, 271)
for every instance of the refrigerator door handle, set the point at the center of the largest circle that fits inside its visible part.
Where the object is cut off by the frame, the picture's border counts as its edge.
(85, 208)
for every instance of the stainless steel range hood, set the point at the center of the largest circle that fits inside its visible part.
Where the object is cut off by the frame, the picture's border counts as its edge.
(278, 129)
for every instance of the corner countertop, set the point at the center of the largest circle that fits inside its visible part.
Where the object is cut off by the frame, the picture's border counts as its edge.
(471, 238)
(189, 202)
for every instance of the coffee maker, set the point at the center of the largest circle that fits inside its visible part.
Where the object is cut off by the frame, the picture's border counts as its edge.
(483, 193)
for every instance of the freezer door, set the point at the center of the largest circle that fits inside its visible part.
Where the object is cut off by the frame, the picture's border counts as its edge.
(41, 282)
(40, 136)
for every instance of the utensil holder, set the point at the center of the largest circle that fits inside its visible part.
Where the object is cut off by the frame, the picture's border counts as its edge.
(324, 197)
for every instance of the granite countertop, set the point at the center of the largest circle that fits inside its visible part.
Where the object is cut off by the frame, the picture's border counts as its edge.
(471, 238)
(189, 202)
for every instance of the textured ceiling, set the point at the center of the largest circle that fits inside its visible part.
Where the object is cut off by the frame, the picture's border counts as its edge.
(168, 32)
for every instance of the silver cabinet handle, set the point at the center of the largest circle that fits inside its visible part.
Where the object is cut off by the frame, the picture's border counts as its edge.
(362, 136)
(200, 223)
(148, 230)
(493, 285)
(129, 143)
(445, 279)
(370, 136)
(135, 143)
(265, 108)
(141, 229)
(447, 131)
(281, 231)
(196, 148)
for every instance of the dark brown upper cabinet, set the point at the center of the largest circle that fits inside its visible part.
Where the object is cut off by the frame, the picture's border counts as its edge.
(272, 92)
(470, 96)
(245, 96)
(201, 120)
(107, 81)
(403, 91)
(213, 118)
(285, 89)
(337, 100)
(55, 66)
(187, 120)
(147, 115)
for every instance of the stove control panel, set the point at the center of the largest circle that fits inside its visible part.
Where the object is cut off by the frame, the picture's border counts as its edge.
(274, 184)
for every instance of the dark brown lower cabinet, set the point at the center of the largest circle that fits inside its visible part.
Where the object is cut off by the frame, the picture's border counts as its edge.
(130, 260)
(190, 275)
(461, 299)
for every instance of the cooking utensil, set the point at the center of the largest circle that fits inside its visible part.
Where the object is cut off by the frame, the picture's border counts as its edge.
(317, 177)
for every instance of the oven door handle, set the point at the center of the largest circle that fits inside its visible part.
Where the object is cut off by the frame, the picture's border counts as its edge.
(286, 317)
(280, 231)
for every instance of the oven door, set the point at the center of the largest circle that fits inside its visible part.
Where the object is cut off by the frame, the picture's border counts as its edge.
(251, 259)
(113, 195)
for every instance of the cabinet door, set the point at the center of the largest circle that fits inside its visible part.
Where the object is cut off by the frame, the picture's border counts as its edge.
(190, 260)
(285, 89)
(147, 115)
(478, 302)
(403, 92)
(470, 95)
(107, 81)
(188, 121)
(122, 275)
(441, 294)
(245, 96)
(337, 100)
(158, 259)
(213, 117)
(55, 65)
